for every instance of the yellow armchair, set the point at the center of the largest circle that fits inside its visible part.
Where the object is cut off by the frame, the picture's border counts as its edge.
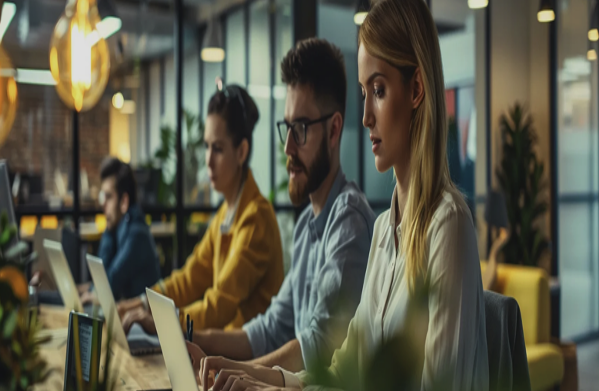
(530, 287)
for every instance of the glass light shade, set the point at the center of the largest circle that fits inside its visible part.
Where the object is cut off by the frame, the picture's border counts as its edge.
(592, 55)
(213, 54)
(593, 35)
(79, 57)
(476, 4)
(118, 101)
(545, 16)
(359, 17)
(212, 47)
(8, 96)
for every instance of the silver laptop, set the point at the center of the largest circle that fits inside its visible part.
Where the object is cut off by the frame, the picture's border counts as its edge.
(138, 343)
(174, 351)
(62, 275)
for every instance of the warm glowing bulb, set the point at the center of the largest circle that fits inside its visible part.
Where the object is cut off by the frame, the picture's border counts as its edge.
(213, 55)
(591, 55)
(8, 96)
(118, 101)
(79, 57)
(359, 18)
(545, 16)
(476, 4)
(593, 35)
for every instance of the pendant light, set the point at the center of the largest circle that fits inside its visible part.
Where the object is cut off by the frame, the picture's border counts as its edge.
(8, 95)
(546, 13)
(79, 57)
(118, 100)
(477, 4)
(361, 11)
(591, 52)
(594, 24)
(212, 47)
(8, 84)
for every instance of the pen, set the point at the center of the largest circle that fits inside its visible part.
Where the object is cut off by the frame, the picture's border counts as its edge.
(188, 326)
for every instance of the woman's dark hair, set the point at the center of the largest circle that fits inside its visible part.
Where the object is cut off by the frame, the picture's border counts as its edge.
(240, 112)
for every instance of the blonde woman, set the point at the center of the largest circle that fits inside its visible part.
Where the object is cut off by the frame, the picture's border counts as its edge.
(426, 235)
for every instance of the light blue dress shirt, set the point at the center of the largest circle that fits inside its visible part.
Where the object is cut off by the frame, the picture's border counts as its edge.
(321, 292)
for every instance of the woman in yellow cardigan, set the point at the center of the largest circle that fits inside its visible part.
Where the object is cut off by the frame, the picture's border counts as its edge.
(235, 270)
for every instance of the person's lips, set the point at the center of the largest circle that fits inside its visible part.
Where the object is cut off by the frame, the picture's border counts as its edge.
(294, 167)
(294, 171)
(376, 143)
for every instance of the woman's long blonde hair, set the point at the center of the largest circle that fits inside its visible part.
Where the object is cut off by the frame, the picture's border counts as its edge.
(403, 33)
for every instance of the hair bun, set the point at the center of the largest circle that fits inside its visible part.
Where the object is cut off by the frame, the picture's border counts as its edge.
(252, 114)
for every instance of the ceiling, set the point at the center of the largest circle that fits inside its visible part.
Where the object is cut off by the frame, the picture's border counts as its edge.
(146, 31)
(148, 25)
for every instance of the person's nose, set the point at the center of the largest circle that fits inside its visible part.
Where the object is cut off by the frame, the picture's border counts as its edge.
(209, 159)
(368, 120)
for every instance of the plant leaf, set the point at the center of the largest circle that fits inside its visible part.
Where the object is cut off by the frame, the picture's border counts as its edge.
(5, 237)
(16, 250)
(520, 175)
(10, 324)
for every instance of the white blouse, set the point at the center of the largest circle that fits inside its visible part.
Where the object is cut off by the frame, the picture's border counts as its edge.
(454, 333)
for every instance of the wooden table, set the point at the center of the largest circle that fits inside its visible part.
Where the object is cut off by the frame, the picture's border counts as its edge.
(135, 373)
(91, 234)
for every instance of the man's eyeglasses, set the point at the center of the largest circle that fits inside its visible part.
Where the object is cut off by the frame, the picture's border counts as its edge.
(298, 129)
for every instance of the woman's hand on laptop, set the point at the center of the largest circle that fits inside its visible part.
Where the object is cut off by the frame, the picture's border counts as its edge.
(234, 375)
(142, 317)
(238, 380)
(196, 354)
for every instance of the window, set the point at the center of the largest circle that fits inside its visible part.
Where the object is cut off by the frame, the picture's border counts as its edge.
(578, 167)
(260, 89)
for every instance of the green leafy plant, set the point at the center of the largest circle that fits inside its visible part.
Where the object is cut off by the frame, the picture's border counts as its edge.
(284, 183)
(194, 153)
(20, 363)
(165, 156)
(521, 178)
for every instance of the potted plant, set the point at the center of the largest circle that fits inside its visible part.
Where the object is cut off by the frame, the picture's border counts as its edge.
(20, 363)
(165, 157)
(521, 178)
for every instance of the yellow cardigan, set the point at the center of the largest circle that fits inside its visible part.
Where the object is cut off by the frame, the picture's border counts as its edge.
(230, 278)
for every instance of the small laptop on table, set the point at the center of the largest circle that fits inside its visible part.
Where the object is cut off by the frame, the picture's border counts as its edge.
(174, 351)
(138, 342)
(64, 278)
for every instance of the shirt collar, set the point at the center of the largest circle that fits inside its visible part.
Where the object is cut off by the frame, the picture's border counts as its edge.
(388, 236)
(318, 224)
(225, 227)
(133, 213)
